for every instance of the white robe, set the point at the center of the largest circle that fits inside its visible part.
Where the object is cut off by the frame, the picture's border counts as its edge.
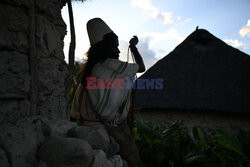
(110, 104)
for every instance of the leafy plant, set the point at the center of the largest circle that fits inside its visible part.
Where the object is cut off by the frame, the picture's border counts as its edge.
(172, 146)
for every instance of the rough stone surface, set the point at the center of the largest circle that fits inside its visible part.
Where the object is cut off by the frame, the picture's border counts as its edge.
(13, 35)
(24, 133)
(96, 135)
(60, 127)
(66, 152)
(21, 142)
(42, 164)
(13, 110)
(15, 68)
(3, 159)
(100, 160)
(22, 139)
(52, 69)
(25, 4)
(113, 148)
(14, 72)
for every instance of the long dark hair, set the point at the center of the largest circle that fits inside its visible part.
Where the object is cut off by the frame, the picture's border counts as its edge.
(99, 52)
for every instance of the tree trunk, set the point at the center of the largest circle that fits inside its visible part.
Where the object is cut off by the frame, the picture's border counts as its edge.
(71, 56)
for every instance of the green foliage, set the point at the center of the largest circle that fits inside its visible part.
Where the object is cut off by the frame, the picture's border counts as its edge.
(172, 146)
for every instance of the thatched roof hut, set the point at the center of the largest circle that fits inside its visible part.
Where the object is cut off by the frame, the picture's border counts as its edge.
(202, 73)
(205, 83)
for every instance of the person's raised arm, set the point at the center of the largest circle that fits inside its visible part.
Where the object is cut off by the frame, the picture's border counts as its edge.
(138, 59)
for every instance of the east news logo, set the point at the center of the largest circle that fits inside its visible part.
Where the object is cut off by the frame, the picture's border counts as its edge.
(127, 83)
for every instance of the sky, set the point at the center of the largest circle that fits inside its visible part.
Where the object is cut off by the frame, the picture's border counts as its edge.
(161, 25)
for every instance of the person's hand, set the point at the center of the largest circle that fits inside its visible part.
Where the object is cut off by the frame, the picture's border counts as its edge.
(133, 41)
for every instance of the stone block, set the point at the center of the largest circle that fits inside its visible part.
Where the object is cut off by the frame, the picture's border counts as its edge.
(66, 152)
(23, 3)
(48, 37)
(3, 159)
(100, 160)
(22, 139)
(14, 71)
(21, 142)
(98, 138)
(13, 33)
(13, 110)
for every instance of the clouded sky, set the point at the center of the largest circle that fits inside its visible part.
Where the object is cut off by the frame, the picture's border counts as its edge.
(161, 24)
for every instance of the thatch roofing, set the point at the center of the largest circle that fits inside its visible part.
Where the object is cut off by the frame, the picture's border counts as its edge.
(202, 73)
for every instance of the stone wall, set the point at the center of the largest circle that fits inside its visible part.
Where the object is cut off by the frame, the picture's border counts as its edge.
(40, 142)
(34, 124)
(52, 71)
(206, 120)
(15, 60)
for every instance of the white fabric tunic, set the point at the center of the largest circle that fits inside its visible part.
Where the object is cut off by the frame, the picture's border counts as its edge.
(111, 103)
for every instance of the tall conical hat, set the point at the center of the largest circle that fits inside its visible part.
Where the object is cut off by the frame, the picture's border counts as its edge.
(96, 29)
